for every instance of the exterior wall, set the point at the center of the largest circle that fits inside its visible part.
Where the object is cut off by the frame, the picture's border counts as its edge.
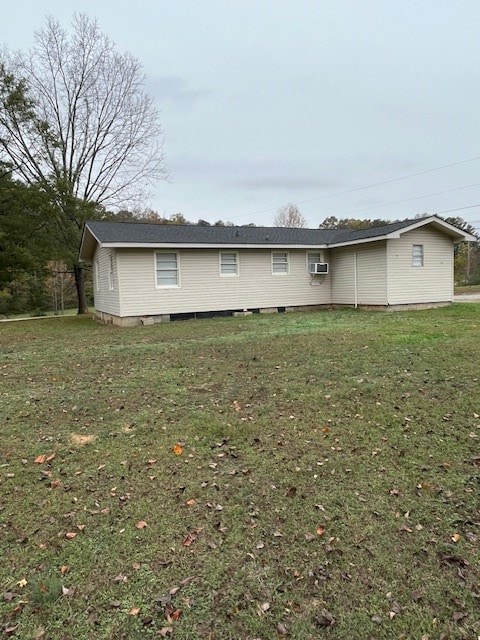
(105, 298)
(202, 288)
(431, 283)
(363, 266)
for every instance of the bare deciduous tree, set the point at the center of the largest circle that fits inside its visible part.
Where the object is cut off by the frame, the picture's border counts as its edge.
(289, 216)
(74, 118)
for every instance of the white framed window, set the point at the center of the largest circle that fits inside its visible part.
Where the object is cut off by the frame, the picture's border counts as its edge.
(97, 276)
(313, 257)
(417, 255)
(229, 263)
(280, 263)
(167, 272)
(111, 278)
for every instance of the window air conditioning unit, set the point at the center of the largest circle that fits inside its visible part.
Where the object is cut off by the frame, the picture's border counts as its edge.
(319, 268)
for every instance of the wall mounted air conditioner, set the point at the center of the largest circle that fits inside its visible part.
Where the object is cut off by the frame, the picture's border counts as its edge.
(319, 268)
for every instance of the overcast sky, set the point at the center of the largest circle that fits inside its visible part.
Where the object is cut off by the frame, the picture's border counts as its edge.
(268, 102)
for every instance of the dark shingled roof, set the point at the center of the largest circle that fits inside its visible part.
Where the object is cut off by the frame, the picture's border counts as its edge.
(144, 233)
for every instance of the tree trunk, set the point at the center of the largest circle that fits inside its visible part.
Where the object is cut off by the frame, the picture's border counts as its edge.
(80, 286)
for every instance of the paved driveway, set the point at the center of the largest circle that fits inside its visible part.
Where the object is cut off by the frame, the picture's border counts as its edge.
(475, 297)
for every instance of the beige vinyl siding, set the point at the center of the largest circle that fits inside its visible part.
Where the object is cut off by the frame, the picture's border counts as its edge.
(202, 288)
(366, 263)
(342, 274)
(431, 283)
(372, 274)
(105, 298)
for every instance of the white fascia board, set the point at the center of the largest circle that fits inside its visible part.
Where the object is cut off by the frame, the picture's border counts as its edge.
(349, 243)
(446, 227)
(92, 236)
(443, 225)
(204, 245)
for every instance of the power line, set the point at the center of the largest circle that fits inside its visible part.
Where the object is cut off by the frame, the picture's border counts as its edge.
(368, 186)
(426, 195)
(471, 206)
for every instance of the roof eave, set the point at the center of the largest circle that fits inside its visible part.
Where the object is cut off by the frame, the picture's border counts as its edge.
(209, 245)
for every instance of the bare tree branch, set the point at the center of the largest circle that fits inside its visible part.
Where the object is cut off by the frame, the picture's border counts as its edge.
(289, 216)
(74, 118)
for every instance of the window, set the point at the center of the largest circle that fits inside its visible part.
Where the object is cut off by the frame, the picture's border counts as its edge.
(229, 264)
(280, 262)
(111, 280)
(417, 255)
(166, 266)
(97, 276)
(312, 259)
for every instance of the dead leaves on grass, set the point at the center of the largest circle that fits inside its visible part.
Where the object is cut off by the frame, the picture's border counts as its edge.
(45, 458)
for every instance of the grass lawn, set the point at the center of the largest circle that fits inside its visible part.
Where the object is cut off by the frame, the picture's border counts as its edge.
(284, 476)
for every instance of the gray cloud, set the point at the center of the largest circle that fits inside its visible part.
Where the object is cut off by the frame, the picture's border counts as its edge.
(175, 89)
(285, 181)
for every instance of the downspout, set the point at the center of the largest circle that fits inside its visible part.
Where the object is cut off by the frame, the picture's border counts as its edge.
(355, 279)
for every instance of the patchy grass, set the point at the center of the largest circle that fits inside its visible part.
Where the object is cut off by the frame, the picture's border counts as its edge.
(299, 475)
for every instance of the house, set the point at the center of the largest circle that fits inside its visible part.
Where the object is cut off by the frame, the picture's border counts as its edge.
(147, 273)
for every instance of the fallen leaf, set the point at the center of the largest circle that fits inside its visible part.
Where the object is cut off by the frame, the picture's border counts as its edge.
(22, 583)
(64, 569)
(70, 535)
(320, 530)
(236, 405)
(191, 537)
(191, 502)
(134, 611)
(456, 537)
(165, 631)
(417, 595)
(120, 578)
(395, 607)
(11, 629)
(178, 449)
(458, 616)
(41, 459)
(141, 524)
(281, 629)
(324, 619)
(8, 596)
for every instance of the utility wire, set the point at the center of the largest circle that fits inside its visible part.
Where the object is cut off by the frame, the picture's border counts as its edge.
(425, 195)
(368, 186)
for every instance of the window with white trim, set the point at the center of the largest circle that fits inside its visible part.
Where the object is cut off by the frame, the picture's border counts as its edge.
(417, 255)
(111, 279)
(228, 263)
(280, 264)
(166, 269)
(97, 276)
(313, 257)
